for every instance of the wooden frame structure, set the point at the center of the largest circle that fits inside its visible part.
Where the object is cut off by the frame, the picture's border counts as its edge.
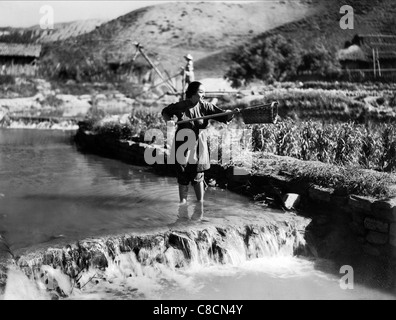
(383, 47)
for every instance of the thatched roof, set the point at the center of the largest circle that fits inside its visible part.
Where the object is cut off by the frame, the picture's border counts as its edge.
(20, 50)
(353, 53)
(363, 46)
(385, 45)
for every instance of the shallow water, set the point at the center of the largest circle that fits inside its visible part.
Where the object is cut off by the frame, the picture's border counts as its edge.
(270, 278)
(51, 193)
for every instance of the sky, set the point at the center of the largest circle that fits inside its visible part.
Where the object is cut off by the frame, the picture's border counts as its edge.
(27, 13)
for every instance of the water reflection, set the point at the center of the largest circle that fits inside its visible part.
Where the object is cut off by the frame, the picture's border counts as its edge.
(49, 190)
(184, 209)
(198, 211)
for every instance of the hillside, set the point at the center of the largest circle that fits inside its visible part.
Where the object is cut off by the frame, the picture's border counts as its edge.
(170, 30)
(61, 31)
(65, 30)
(371, 17)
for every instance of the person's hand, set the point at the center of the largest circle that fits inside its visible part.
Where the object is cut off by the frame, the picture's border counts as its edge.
(230, 116)
(172, 121)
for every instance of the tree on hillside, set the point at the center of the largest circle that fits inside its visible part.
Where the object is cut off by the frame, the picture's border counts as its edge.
(272, 58)
(69, 61)
(319, 60)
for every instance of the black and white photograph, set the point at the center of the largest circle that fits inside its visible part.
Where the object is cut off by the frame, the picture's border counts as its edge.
(198, 155)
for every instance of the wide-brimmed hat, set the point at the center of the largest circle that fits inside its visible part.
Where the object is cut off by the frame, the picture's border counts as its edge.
(188, 57)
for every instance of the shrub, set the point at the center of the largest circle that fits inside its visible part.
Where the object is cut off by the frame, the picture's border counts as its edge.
(319, 60)
(272, 58)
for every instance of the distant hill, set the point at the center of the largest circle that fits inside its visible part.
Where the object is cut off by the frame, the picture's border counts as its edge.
(211, 30)
(65, 30)
(61, 31)
(370, 17)
(168, 31)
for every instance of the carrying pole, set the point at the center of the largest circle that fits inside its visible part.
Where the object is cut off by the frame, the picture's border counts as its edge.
(183, 84)
(210, 116)
(229, 112)
(167, 82)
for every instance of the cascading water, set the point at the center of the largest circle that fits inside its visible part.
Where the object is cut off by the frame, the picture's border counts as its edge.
(139, 243)
(151, 264)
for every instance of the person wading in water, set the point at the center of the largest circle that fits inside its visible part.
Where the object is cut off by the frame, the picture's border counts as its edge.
(194, 106)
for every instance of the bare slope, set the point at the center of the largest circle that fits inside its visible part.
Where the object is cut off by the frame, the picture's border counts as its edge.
(170, 30)
(66, 30)
(61, 31)
(370, 17)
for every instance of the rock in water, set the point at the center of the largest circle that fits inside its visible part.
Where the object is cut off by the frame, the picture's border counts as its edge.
(291, 200)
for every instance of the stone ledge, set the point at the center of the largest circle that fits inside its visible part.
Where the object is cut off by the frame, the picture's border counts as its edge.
(374, 237)
(320, 194)
(361, 203)
(385, 209)
(392, 234)
(376, 225)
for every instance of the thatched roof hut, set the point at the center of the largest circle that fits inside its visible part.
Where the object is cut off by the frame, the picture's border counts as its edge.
(17, 50)
(369, 52)
(17, 58)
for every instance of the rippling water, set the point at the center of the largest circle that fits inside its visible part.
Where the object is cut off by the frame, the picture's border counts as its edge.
(51, 193)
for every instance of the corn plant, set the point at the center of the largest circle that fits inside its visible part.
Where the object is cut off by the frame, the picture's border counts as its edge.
(348, 144)
(371, 149)
(388, 155)
(286, 139)
(306, 141)
(324, 144)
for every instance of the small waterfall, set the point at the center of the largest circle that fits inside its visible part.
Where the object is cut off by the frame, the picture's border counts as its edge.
(143, 261)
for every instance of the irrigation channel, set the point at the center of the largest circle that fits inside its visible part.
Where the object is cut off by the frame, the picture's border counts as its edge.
(80, 226)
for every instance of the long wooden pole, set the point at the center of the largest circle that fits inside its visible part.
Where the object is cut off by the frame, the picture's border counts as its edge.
(226, 113)
(374, 62)
(158, 84)
(210, 116)
(171, 87)
(183, 84)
